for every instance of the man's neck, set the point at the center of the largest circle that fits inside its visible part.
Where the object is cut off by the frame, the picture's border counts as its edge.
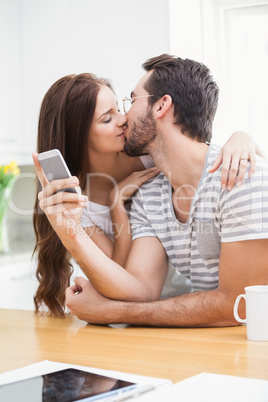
(181, 158)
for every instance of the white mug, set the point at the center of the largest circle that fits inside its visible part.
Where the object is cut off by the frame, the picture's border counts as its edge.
(256, 299)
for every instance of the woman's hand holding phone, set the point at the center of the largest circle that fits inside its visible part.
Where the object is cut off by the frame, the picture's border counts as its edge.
(62, 208)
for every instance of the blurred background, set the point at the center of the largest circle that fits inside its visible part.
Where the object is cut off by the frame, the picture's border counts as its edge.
(42, 40)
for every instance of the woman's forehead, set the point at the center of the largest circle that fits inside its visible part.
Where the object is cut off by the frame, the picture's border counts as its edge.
(106, 100)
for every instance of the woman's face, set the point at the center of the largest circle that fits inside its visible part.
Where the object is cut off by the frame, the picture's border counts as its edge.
(106, 132)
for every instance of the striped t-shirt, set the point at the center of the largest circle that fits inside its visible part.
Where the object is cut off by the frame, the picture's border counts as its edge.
(216, 216)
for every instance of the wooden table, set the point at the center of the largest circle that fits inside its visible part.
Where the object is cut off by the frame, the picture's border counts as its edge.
(159, 352)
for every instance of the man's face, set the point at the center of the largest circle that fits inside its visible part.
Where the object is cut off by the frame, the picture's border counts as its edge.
(141, 129)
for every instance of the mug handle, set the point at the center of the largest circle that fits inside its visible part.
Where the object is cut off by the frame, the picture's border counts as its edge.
(236, 309)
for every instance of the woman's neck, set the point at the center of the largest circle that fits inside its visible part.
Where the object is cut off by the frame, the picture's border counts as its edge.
(117, 165)
(105, 171)
(104, 162)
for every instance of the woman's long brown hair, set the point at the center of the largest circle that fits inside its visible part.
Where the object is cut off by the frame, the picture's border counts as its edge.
(65, 119)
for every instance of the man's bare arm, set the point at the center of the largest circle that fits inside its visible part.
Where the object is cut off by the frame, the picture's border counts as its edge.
(241, 264)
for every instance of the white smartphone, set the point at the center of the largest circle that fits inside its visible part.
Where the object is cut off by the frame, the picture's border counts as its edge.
(55, 168)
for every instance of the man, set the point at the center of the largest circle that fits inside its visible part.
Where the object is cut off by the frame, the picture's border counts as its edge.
(217, 238)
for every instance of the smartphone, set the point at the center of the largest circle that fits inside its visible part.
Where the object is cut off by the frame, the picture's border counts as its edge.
(67, 385)
(54, 166)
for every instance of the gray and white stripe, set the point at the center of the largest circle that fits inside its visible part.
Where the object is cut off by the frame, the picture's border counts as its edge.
(216, 216)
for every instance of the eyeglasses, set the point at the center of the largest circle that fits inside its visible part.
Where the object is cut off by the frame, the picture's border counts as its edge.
(127, 102)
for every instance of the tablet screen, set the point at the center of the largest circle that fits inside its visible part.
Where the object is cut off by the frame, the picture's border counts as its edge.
(66, 386)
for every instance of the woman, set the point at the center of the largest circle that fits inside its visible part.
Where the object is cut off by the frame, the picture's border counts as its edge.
(79, 116)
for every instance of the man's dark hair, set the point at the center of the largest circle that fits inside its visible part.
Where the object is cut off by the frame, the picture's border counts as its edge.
(193, 91)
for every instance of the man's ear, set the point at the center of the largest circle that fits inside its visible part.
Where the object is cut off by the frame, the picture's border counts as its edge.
(163, 106)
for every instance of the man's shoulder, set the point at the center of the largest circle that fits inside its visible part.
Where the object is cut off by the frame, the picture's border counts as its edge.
(261, 163)
(154, 184)
(150, 193)
(212, 154)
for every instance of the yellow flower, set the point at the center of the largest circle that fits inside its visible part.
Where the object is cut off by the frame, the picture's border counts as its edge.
(7, 173)
(12, 168)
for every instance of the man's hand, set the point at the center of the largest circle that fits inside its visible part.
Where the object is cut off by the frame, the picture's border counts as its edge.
(86, 303)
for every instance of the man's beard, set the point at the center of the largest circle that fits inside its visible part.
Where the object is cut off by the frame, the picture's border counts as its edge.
(142, 134)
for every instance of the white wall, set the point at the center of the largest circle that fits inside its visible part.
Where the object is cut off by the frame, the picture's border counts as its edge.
(46, 39)
(10, 75)
(236, 53)
(186, 29)
(41, 40)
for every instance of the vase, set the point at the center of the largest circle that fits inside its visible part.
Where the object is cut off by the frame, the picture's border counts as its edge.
(4, 199)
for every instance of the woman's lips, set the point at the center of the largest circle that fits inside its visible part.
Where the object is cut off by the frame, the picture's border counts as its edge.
(125, 130)
(122, 135)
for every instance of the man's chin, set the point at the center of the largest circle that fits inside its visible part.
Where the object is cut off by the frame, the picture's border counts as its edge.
(130, 151)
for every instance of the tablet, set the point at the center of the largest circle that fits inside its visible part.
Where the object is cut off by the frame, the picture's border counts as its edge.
(65, 386)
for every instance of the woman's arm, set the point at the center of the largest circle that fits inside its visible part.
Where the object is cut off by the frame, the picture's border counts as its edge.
(118, 249)
(108, 277)
(120, 222)
(63, 210)
(100, 239)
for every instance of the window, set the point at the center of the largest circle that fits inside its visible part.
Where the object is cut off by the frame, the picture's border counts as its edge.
(235, 35)
(247, 69)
